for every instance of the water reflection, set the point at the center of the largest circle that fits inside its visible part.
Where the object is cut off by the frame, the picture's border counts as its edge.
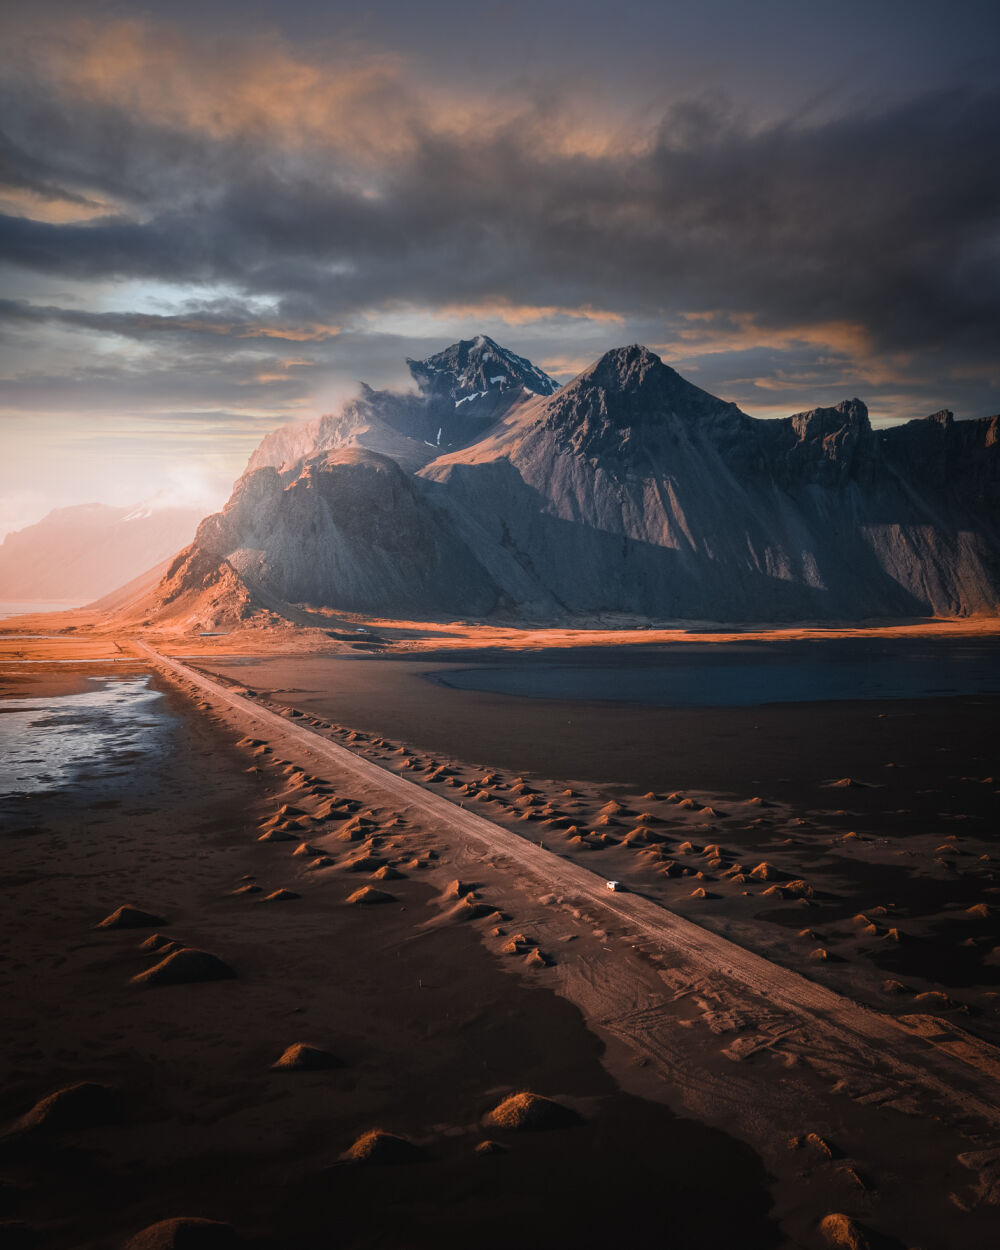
(48, 744)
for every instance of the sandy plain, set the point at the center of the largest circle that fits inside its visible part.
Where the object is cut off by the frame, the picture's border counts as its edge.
(701, 1115)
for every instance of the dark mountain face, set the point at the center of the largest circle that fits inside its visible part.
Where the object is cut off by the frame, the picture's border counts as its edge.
(629, 491)
(828, 446)
(958, 460)
(627, 399)
(477, 367)
(461, 392)
(470, 385)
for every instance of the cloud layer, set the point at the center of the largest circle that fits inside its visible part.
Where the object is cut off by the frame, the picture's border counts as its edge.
(229, 223)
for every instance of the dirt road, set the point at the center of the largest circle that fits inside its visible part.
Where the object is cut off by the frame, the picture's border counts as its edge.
(894, 1061)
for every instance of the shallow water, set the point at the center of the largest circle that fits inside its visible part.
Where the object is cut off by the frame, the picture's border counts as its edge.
(52, 743)
(749, 675)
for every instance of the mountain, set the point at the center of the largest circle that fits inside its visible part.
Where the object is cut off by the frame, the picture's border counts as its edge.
(629, 490)
(460, 393)
(478, 367)
(86, 551)
(350, 519)
(632, 490)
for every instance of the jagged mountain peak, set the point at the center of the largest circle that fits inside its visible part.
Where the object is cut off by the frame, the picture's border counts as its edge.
(849, 412)
(637, 373)
(944, 417)
(462, 390)
(472, 368)
(630, 388)
(627, 368)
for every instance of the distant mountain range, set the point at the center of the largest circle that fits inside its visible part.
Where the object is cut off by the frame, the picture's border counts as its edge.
(85, 551)
(490, 490)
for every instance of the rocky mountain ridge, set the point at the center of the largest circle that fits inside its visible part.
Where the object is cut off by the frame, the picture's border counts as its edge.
(460, 392)
(629, 490)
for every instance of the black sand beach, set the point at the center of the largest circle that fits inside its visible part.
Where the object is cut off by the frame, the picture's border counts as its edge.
(429, 1030)
(467, 985)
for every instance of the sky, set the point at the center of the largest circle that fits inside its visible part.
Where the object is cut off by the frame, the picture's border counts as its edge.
(216, 217)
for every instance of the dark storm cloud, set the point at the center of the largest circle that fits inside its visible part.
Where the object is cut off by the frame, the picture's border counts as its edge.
(235, 210)
(216, 318)
(22, 171)
(886, 221)
(153, 389)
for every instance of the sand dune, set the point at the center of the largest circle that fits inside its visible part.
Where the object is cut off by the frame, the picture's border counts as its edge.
(368, 895)
(185, 1234)
(528, 1112)
(186, 967)
(377, 1146)
(302, 1057)
(842, 1233)
(279, 835)
(387, 873)
(665, 1026)
(129, 917)
(84, 1105)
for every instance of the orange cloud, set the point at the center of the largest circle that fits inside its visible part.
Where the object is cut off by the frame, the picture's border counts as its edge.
(563, 366)
(235, 329)
(304, 334)
(283, 372)
(525, 314)
(711, 332)
(360, 103)
(52, 206)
